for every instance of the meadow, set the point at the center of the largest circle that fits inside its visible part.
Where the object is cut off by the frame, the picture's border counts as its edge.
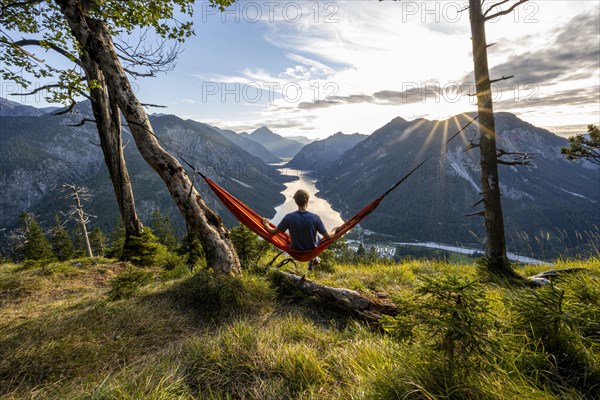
(103, 329)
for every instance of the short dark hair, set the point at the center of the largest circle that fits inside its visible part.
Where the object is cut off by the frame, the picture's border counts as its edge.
(301, 197)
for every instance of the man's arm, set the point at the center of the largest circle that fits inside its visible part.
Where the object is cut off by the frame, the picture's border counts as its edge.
(269, 228)
(321, 229)
(329, 235)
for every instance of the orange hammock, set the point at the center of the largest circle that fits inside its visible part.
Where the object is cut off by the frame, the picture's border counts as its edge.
(282, 240)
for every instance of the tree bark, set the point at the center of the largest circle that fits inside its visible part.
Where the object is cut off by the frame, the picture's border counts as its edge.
(94, 37)
(372, 308)
(108, 122)
(494, 220)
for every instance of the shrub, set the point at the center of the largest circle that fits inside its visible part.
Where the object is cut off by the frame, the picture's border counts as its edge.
(454, 312)
(144, 250)
(127, 283)
(561, 323)
(249, 247)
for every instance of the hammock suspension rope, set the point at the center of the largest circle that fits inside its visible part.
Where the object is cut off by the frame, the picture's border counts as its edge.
(282, 240)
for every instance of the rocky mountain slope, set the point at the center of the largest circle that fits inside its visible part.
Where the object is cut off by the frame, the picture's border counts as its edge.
(40, 153)
(554, 198)
(280, 146)
(321, 156)
(251, 146)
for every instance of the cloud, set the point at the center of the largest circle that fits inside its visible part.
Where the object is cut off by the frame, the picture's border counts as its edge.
(380, 62)
(573, 54)
(415, 93)
(572, 97)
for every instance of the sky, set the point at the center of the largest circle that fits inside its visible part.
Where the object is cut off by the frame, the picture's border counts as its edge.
(313, 68)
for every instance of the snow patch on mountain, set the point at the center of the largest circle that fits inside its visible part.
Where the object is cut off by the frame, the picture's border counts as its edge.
(526, 141)
(458, 162)
(514, 193)
(572, 193)
(241, 183)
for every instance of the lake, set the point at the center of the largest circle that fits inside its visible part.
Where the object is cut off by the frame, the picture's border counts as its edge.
(317, 205)
(332, 218)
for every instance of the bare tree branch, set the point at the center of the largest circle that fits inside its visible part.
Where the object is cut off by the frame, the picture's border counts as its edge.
(40, 43)
(493, 6)
(504, 78)
(154, 59)
(82, 122)
(37, 90)
(502, 12)
(8, 42)
(149, 105)
(476, 214)
(514, 163)
(66, 110)
(136, 74)
(478, 203)
(519, 158)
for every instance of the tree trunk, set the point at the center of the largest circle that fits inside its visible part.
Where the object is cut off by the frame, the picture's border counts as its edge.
(82, 221)
(494, 221)
(370, 307)
(96, 40)
(108, 122)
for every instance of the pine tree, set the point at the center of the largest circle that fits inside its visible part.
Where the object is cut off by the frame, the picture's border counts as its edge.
(62, 244)
(78, 242)
(581, 146)
(117, 240)
(98, 239)
(144, 250)
(360, 252)
(192, 249)
(163, 229)
(36, 246)
(247, 244)
(372, 255)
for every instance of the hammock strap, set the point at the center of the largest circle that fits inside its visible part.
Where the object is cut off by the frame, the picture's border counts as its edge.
(282, 240)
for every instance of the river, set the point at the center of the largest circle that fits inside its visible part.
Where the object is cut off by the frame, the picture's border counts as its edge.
(317, 205)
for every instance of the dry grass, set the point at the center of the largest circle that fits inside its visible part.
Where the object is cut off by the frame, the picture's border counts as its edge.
(183, 336)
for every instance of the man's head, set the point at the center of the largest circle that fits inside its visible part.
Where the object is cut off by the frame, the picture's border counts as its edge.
(301, 198)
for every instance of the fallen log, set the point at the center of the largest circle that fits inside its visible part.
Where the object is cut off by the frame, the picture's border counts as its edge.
(369, 306)
(544, 278)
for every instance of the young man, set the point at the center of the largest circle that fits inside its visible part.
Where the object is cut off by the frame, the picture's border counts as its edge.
(303, 226)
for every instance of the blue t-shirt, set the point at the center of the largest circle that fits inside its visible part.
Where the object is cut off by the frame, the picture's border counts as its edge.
(303, 227)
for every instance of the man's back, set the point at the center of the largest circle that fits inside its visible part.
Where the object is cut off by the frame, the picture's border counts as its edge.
(303, 227)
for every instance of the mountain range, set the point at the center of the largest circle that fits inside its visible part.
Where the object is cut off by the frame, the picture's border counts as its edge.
(321, 156)
(39, 153)
(252, 147)
(280, 146)
(547, 205)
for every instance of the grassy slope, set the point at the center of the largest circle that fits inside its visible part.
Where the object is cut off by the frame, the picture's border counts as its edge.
(180, 336)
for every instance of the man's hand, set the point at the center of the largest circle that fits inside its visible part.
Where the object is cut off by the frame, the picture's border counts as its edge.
(267, 224)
